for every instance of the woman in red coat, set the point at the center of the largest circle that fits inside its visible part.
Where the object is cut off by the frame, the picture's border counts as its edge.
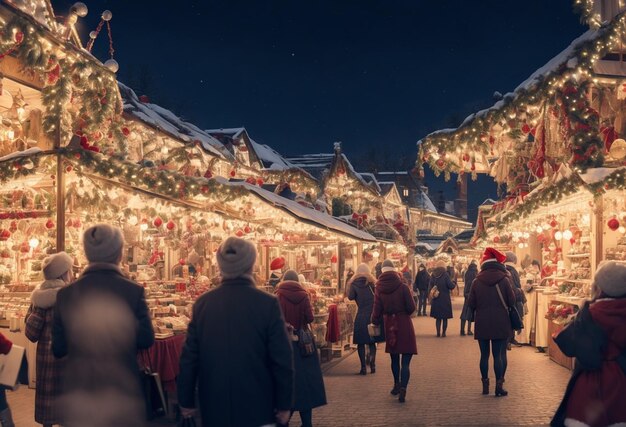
(309, 386)
(394, 301)
(6, 420)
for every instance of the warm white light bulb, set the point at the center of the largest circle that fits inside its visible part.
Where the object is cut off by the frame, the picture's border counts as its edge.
(622, 229)
(375, 254)
(143, 227)
(567, 234)
(558, 235)
(539, 230)
(33, 243)
(520, 245)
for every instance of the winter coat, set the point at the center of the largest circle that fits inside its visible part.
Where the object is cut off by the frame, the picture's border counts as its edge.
(520, 298)
(451, 273)
(394, 304)
(309, 386)
(100, 321)
(422, 279)
(490, 316)
(467, 313)
(362, 291)
(596, 390)
(441, 307)
(239, 355)
(39, 322)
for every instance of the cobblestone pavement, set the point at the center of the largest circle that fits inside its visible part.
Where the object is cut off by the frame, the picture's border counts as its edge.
(445, 388)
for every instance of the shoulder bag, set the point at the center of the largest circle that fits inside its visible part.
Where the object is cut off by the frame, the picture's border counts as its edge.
(514, 316)
(434, 291)
(306, 341)
(374, 331)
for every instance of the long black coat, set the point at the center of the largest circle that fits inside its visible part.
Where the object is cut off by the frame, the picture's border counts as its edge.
(441, 307)
(238, 352)
(422, 279)
(467, 313)
(362, 291)
(100, 321)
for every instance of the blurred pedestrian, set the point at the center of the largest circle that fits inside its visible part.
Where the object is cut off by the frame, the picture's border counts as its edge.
(597, 339)
(237, 351)
(57, 272)
(100, 321)
(467, 314)
(440, 305)
(492, 325)
(420, 286)
(295, 305)
(520, 298)
(6, 418)
(393, 306)
(406, 275)
(361, 290)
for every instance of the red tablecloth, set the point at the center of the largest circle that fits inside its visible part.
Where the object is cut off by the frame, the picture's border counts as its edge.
(163, 357)
(333, 333)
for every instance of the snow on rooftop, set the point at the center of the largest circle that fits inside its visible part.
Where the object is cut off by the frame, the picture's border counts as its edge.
(168, 122)
(595, 175)
(232, 132)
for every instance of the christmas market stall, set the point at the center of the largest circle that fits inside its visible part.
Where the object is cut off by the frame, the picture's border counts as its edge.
(556, 147)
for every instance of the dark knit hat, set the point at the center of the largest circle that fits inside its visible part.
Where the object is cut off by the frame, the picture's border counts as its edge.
(236, 257)
(511, 257)
(56, 265)
(103, 243)
(610, 278)
(291, 275)
(387, 266)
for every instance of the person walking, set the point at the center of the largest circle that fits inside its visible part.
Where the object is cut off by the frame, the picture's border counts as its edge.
(492, 326)
(295, 305)
(361, 290)
(100, 321)
(420, 286)
(237, 352)
(520, 298)
(57, 272)
(597, 339)
(393, 306)
(467, 314)
(6, 418)
(441, 305)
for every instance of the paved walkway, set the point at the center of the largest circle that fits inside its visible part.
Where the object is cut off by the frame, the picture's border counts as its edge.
(445, 388)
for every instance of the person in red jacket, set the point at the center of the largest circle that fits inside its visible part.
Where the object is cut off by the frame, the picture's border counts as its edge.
(295, 304)
(6, 420)
(394, 301)
(597, 339)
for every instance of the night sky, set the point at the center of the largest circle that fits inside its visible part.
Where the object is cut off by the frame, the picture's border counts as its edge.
(301, 74)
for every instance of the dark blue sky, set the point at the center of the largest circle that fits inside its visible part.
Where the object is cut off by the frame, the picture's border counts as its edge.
(300, 74)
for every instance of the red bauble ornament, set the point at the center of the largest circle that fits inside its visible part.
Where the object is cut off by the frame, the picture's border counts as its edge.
(553, 223)
(239, 233)
(526, 128)
(208, 174)
(50, 224)
(572, 241)
(19, 37)
(333, 259)
(233, 173)
(260, 182)
(157, 222)
(440, 163)
(171, 225)
(125, 131)
(613, 224)
(182, 261)
(77, 156)
(466, 157)
(13, 226)
(496, 239)
(68, 168)
(4, 235)
(247, 229)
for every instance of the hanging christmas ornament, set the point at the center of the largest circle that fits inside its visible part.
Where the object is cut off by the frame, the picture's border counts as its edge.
(157, 222)
(247, 229)
(182, 261)
(112, 65)
(333, 259)
(239, 233)
(553, 223)
(233, 173)
(4, 235)
(171, 225)
(13, 226)
(49, 224)
(496, 239)
(613, 224)
(618, 149)
(440, 163)
(260, 182)
(208, 174)
(572, 241)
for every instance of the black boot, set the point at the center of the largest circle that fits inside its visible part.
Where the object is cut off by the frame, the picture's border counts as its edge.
(500, 391)
(485, 385)
(396, 389)
(363, 371)
(372, 364)
(402, 396)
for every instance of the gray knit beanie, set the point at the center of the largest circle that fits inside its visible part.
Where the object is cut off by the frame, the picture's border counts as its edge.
(610, 278)
(56, 265)
(291, 275)
(236, 258)
(387, 266)
(511, 257)
(103, 243)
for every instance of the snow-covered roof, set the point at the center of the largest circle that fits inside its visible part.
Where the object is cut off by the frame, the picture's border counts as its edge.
(308, 215)
(270, 158)
(370, 178)
(315, 164)
(386, 187)
(568, 58)
(424, 202)
(169, 123)
(232, 132)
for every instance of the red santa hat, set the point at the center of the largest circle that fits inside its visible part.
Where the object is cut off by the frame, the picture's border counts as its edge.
(492, 255)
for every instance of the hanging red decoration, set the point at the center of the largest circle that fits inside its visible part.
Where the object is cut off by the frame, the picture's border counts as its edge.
(49, 224)
(233, 173)
(247, 229)
(572, 241)
(24, 248)
(19, 38)
(553, 223)
(239, 233)
(440, 163)
(496, 239)
(526, 128)
(333, 259)
(125, 131)
(13, 226)
(4, 235)
(171, 225)
(182, 261)
(157, 222)
(260, 182)
(613, 224)
(208, 174)
(52, 77)
(277, 263)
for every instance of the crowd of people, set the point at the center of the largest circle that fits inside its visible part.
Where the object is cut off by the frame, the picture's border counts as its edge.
(249, 358)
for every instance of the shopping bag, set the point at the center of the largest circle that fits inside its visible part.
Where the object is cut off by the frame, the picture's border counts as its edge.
(10, 366)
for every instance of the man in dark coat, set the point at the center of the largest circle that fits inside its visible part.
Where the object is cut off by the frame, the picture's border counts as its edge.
(441, 307)
(420, 286)
(520, 298)
(100, 321)
(237, 349)
(467, 314)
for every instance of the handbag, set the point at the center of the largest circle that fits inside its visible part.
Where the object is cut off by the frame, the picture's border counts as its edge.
(434, 292)
(306, 340)
(156, 405)
(374, 331)
(514, 317)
